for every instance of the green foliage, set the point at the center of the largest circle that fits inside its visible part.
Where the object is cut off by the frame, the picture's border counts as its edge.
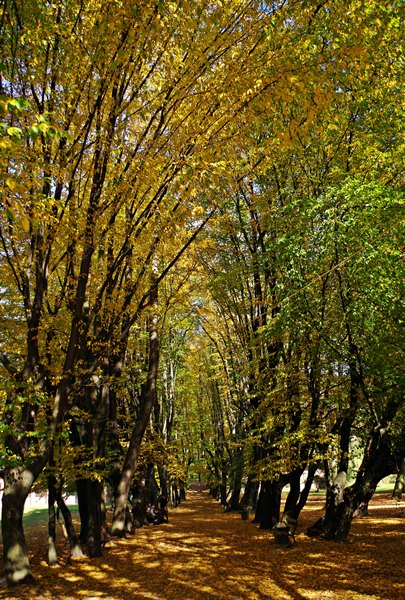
(279, 132)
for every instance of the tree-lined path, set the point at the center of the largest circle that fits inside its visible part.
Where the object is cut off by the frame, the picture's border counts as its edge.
(205, 554)
(201, 276)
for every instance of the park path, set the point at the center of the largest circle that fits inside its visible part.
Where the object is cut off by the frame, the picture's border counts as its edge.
(204, 553)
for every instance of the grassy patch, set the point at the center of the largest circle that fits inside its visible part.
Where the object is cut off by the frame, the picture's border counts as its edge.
(37, 516)
(34, 516)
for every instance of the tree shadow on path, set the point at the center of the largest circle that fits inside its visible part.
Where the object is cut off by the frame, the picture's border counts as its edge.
(204, 554)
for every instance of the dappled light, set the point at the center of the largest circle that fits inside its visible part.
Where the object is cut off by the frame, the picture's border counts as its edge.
(204, 553)
(202, 280)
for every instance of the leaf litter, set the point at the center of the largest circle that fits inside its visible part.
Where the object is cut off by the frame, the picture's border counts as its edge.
(206, 554)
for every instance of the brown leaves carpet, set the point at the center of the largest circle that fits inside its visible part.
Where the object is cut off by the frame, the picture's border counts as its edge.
(205, 554)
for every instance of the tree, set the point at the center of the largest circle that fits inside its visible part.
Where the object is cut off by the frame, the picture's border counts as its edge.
(117, 125)
(121, 140)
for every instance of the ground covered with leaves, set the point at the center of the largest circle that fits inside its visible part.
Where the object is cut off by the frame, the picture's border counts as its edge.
(204, 553)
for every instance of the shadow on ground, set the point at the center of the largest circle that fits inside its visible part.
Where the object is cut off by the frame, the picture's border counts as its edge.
(203, 553)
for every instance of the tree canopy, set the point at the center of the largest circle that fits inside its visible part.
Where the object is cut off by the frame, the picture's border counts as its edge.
(201, 255)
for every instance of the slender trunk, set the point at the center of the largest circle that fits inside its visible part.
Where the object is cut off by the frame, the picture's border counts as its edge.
(399, 482)
(297, 498)
(174, 497)
(94, 537)
(182, 488)
(305, 491)
(164, 486)
(75, 550)
(236, 484)
(234, 503)
(52, 552)
(222, 487)
(147, 401)
(353, 497)
(89, 436)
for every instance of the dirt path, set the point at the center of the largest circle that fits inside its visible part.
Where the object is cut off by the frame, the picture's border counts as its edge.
(204, 554)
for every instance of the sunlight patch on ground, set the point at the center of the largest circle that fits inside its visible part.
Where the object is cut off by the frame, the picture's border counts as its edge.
(335, 595)
(272, 590)
(73, 578)
(204, 554)
(93, 597)
(153, 565)
(388, 521)
(393, 503)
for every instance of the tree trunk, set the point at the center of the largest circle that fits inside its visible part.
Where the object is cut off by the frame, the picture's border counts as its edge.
(174, 497)
(222, 487)
(236, 484)
(182, 492)
(75, 550)
(89, 436)
(297, 498)
(377, 463)
(327, 525)
(399, 482)
(89, 493)
(215, 490)
(305, 492)
(148, 398)
(268, 505)
(249, 499)
(151, 485)
(138, 503)
(17, 484)
(290, 506)
(52, 552)
(164, 486)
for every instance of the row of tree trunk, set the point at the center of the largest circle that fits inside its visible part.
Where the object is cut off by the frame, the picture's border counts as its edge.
(342, 503)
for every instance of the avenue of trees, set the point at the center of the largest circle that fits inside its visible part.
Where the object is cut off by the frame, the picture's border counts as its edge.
(202, 271)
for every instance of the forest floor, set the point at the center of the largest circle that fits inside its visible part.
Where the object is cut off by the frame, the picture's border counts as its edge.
(206, 554)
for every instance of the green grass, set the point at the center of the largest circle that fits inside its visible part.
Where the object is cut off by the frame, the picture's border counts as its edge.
(386, 486)
(35, 516)
(39, 516)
